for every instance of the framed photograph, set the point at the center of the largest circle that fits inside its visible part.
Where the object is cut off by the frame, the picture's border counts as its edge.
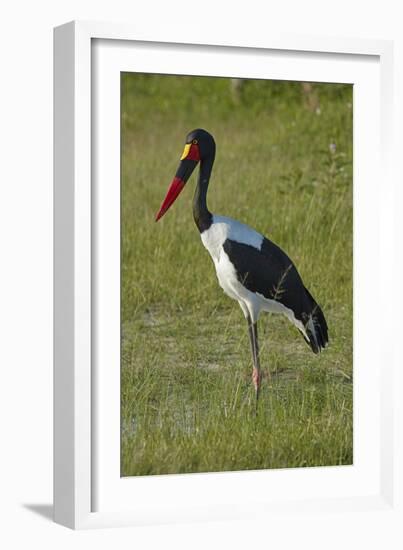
(224, 362)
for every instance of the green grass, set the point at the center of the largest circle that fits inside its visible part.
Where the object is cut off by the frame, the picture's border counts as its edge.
(187, 399)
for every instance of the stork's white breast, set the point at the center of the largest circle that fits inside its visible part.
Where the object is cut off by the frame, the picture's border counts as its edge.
(224, 228)
(214, 238)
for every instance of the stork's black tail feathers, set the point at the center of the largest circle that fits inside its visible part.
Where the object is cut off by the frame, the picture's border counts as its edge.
(315, 326)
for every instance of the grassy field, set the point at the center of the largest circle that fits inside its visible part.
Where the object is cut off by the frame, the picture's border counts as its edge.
(284, 166)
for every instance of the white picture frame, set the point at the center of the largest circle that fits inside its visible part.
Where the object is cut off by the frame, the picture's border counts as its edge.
(88, 491)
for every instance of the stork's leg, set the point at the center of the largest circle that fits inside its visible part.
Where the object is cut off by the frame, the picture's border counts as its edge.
(256, 374)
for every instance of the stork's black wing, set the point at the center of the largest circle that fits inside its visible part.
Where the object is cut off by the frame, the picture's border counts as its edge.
(271, 273)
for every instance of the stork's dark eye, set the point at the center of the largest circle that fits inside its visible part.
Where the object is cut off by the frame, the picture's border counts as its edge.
(194, 142)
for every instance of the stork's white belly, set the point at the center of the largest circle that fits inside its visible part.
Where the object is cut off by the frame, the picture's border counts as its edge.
(213, 239)
(227, 278)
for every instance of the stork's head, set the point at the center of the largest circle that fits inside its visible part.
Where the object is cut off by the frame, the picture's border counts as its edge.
(199, 146)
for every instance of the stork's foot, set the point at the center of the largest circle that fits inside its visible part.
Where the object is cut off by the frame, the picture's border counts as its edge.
(256, 379)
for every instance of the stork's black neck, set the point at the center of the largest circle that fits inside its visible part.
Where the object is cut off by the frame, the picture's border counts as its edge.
(201, 214)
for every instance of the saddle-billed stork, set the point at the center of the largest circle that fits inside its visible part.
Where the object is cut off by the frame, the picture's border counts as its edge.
(250, 268)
